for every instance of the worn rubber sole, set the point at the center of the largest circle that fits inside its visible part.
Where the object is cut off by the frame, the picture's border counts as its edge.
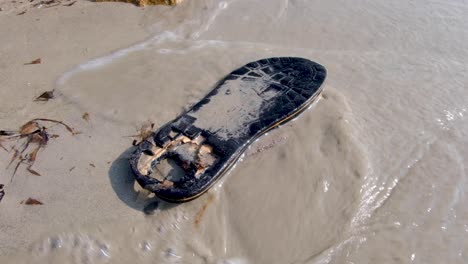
(207, 140)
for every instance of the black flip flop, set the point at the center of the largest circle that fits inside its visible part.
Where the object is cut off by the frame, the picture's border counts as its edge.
(209, 138)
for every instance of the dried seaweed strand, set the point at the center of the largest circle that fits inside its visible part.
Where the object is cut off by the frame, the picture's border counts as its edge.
(57, 122)
(15, 155)
(3, 147)
(32, 171)
(33, 134)
(16, 168)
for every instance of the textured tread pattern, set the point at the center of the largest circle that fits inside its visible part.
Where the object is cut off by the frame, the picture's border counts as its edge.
(244, 105)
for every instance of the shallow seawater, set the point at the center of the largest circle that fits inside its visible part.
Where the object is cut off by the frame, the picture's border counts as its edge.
(373, 172)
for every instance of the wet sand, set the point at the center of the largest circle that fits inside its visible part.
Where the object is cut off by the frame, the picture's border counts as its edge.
(373, 172)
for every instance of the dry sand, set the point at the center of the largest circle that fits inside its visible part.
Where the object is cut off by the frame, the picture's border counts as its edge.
(62, 37)
(373, 173)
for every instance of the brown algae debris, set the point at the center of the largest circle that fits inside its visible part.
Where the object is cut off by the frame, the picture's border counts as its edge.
(86, 117)
(27, 141)
(143, 132)
(201, 212)
(32, 201)
(36, 61)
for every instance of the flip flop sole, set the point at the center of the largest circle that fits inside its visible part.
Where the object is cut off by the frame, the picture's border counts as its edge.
(209, 138)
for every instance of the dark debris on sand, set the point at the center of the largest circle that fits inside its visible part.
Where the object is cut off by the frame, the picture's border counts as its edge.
(45, 96)
(2, 192)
